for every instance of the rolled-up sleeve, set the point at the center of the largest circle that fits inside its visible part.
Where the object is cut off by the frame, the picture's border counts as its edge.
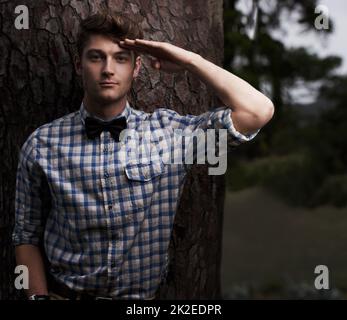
(219, 118)
(29, 211)
(202, 139)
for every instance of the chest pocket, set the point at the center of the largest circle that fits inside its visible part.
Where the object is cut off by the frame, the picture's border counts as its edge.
(142, 180)
(144, 172)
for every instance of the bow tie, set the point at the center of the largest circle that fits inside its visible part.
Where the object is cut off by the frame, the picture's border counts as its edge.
(94, 127)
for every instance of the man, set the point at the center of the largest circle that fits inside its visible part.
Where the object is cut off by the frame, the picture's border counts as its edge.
(107, 230)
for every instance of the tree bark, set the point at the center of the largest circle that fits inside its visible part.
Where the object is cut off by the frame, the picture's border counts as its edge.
(38, 84)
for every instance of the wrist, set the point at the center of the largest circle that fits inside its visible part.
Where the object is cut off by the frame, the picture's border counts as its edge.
(39, 297)
(192, 61)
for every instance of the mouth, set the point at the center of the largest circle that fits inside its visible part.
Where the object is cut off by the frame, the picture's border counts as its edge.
(108, 84)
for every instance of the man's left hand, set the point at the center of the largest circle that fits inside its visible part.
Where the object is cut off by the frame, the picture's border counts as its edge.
(167, 57)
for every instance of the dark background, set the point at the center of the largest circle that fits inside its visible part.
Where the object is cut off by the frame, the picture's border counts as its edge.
(285, 208)
(284, 194)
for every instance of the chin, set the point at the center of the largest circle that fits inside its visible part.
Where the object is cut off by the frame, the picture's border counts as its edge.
(109, 98)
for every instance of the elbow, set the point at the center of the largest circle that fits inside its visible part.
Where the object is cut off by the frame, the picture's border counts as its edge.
(271, 110)
(267, 112)
(249, 122)
(264, 114)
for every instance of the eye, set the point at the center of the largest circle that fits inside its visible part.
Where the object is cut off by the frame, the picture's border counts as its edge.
(95, 57)
(121, 59)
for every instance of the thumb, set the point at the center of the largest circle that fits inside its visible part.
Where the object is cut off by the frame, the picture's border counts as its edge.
(155, 63)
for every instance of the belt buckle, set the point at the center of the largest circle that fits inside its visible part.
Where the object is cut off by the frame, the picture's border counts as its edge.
(103, 298)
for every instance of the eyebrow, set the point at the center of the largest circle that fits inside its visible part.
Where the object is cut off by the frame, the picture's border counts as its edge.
(121, 52)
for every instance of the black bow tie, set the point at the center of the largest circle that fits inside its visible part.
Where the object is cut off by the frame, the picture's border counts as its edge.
(94, 127)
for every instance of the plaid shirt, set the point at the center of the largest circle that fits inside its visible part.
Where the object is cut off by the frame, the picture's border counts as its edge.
(105, 225)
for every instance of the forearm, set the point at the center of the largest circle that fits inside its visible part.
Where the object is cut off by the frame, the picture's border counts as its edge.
(30, 256)
(251, 109)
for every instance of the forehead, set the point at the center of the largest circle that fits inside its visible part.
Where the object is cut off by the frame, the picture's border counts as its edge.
(103, 43)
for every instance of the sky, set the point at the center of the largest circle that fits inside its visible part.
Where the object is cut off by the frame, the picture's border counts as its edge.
(318, 41)
(334, 44)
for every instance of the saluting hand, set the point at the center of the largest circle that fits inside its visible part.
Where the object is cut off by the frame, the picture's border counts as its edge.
(167, 57)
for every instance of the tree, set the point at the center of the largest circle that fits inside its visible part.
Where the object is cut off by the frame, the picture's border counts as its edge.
(38, 84)
(303, 158)
(266, 60)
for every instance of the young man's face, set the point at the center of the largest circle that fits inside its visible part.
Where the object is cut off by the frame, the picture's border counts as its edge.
(107, 70)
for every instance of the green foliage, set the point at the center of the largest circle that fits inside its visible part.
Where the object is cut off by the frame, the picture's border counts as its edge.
(289, 176)
(333, 190)
(303, 160)
(296, 178)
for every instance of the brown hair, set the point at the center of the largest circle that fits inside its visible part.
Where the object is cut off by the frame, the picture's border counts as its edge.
(114, 25)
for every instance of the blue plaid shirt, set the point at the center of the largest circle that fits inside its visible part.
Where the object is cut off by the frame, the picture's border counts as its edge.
(106, 225)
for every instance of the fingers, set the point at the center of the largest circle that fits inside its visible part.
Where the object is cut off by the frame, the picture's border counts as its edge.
(149, 43)
(155, 63)
(140, 43)
(133, 46)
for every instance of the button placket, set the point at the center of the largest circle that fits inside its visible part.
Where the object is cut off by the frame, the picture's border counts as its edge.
(107, 176)
(128, 219)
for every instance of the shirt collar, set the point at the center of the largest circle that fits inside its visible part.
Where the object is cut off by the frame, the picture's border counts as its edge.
(84, 113)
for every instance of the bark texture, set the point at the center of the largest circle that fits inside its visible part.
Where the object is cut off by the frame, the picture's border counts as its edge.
(38, 84)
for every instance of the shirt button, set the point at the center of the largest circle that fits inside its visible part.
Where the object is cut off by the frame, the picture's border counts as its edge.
(145, 173)
(106, 175)
(115, 236)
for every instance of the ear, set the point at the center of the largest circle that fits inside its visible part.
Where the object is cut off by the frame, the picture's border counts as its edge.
(137, 67)
(78, 65)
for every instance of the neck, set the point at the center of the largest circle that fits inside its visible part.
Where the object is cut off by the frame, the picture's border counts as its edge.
(105, 111)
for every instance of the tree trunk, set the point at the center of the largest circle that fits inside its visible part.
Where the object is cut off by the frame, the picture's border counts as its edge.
(38, 84)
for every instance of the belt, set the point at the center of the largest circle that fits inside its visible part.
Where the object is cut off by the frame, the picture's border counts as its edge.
(63, 290)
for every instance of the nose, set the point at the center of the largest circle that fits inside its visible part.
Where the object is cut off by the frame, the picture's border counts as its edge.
(108, 68)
